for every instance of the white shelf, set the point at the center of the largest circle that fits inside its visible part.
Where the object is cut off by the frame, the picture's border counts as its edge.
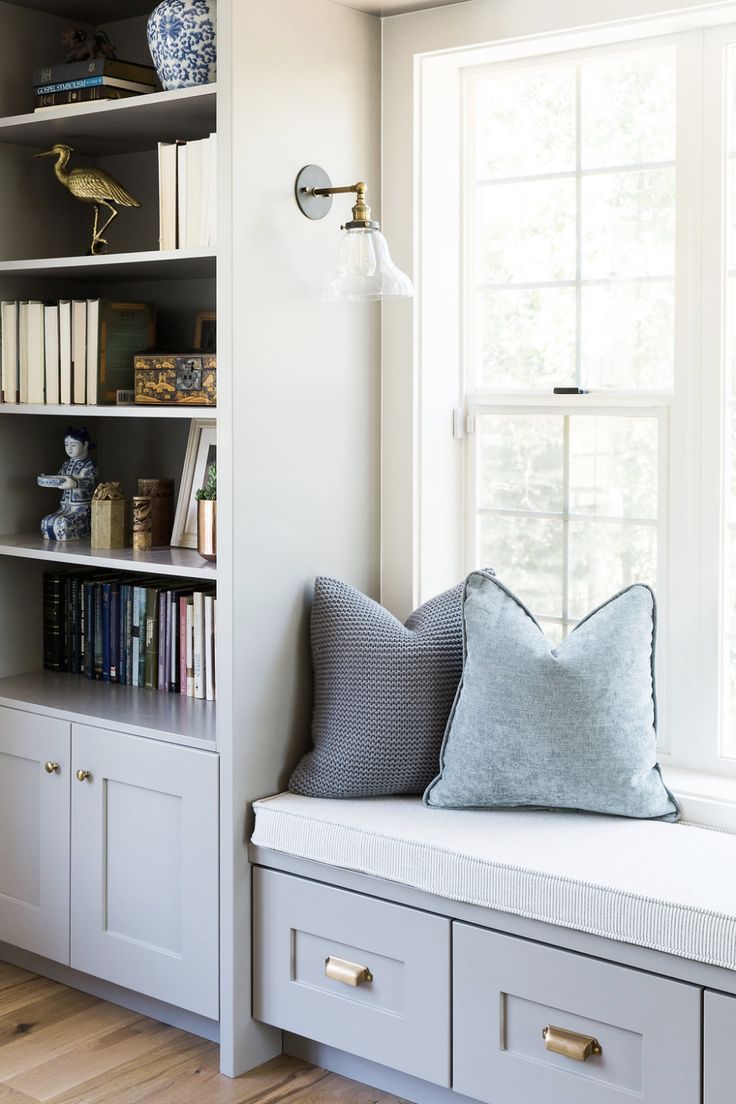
(181, 413)
(117, 126)
(167, 717)
(178, 562)
(151, 265)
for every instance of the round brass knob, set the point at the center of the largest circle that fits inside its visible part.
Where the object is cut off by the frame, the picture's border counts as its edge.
(83, 775)
(51, 768)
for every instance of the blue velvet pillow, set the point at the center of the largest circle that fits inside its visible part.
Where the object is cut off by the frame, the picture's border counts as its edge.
(568, 726)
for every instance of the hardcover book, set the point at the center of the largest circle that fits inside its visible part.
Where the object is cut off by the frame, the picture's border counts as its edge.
(54, 612)
(96, 67)
(80, 95)
(91, 82)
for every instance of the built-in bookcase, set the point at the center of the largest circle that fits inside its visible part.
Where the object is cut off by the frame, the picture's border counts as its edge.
(44, 234)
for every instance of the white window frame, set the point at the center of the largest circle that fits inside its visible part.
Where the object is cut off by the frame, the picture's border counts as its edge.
(436, 554)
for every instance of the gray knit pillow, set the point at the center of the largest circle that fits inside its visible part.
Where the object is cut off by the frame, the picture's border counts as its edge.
(382, 693)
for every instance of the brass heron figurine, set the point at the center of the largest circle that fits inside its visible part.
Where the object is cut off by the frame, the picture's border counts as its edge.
(91, 185)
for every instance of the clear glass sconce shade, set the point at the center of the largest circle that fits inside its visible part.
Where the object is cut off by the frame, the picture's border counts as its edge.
(365, 269)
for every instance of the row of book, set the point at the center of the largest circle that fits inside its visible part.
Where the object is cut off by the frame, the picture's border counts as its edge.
(187, 174)
(90, 81)
(73, 351)
(132, 630)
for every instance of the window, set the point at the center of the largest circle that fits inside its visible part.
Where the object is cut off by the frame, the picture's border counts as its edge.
(595, 194)
(570, 276)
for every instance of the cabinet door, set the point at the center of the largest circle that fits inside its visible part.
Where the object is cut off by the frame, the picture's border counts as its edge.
(145, 867)
(719, 1056)
(34, 830)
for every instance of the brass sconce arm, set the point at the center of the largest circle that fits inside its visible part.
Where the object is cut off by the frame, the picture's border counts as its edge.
(314, 191)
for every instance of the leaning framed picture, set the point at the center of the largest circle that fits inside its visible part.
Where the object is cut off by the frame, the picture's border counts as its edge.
(201, 455)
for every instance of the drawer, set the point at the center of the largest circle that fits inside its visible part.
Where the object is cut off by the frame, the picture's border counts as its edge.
(719, 1056)
(506, 991)
(399, 1017)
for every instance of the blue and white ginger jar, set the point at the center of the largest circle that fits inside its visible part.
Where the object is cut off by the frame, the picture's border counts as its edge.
(182, 38)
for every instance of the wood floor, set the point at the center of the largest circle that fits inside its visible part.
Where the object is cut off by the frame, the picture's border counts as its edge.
(60, 1046)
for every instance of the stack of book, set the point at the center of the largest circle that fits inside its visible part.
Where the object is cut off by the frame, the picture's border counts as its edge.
(74, 351)
(88, 81)
(132, 630)
(188, 193)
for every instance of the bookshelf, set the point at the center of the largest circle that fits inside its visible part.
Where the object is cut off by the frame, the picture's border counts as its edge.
(298, 470)
(43, 239)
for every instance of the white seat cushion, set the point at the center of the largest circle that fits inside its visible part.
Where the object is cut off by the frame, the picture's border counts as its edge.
(666, 886)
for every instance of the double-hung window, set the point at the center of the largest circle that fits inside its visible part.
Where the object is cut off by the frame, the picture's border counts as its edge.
(592, 355)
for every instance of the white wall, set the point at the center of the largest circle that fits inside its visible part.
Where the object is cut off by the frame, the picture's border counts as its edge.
(302, 418)
(406, 39)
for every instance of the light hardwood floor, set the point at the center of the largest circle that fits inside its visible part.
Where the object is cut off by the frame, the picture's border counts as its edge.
(60, 1046)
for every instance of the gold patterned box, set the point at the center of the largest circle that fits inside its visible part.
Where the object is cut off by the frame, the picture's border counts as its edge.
(189, 379)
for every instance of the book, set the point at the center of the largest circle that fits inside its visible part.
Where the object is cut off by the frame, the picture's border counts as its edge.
(167, 198)
(96, 67)
(99, 658)
(42, 102)
(114, 591)
(88, 599)
(163, 639)
(90, 82)
(10, 374)
(79, 351)
(190, 648)
(35, 353)
(182, 161)
(208, 647)
(54, 613)
(23, 352)
(65, 352)
(152, 638)
(198, 651)
(184, 601)
(51, 341)
(117, 331)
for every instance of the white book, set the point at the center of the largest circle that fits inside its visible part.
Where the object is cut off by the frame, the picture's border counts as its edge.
(23, 351)
(181, 193)
(194, 230)
(207, 198)
(79, 351)
(51, 340)
(36, 354)
(209, 628)
(199, 656)
(65, 352)
(211, 242)
(10, 352)
(93, 349)
(167, 195)
(214, 649)
(190, 648)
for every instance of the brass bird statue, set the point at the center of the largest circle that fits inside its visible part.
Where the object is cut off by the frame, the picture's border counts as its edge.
(91, 185)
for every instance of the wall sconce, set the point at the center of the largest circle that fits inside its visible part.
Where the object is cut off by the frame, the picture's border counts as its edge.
(364, 266)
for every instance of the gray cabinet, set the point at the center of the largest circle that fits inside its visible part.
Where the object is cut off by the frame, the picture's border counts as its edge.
(34, 829)
(719, 1053)
(507, 991)
(363, 975)
(144, 867)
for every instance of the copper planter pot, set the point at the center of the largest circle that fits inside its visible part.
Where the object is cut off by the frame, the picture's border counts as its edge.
(207, 529)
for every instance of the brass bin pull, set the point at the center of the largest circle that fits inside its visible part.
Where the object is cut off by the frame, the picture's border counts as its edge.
(570, 1044)
(349, 973)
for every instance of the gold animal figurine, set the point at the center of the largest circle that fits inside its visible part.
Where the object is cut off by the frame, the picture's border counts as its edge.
(91, 185)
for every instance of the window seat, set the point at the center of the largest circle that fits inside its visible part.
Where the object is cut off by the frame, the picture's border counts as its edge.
(668, 887)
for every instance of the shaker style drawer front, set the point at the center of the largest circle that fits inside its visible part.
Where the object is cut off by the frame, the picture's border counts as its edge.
(359, 974)
(34, 830)
(719, 1053)
(535, 1023)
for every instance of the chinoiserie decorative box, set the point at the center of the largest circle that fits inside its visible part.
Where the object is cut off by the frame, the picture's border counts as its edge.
(189, 379)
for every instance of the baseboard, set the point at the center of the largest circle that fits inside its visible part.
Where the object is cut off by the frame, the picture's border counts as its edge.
(370, 1073)
(115, 994)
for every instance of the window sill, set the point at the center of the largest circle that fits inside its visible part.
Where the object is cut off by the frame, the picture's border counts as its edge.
(705, 798)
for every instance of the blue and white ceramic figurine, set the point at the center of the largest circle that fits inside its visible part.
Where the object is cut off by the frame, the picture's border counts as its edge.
(76, 479)
(182, 38)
